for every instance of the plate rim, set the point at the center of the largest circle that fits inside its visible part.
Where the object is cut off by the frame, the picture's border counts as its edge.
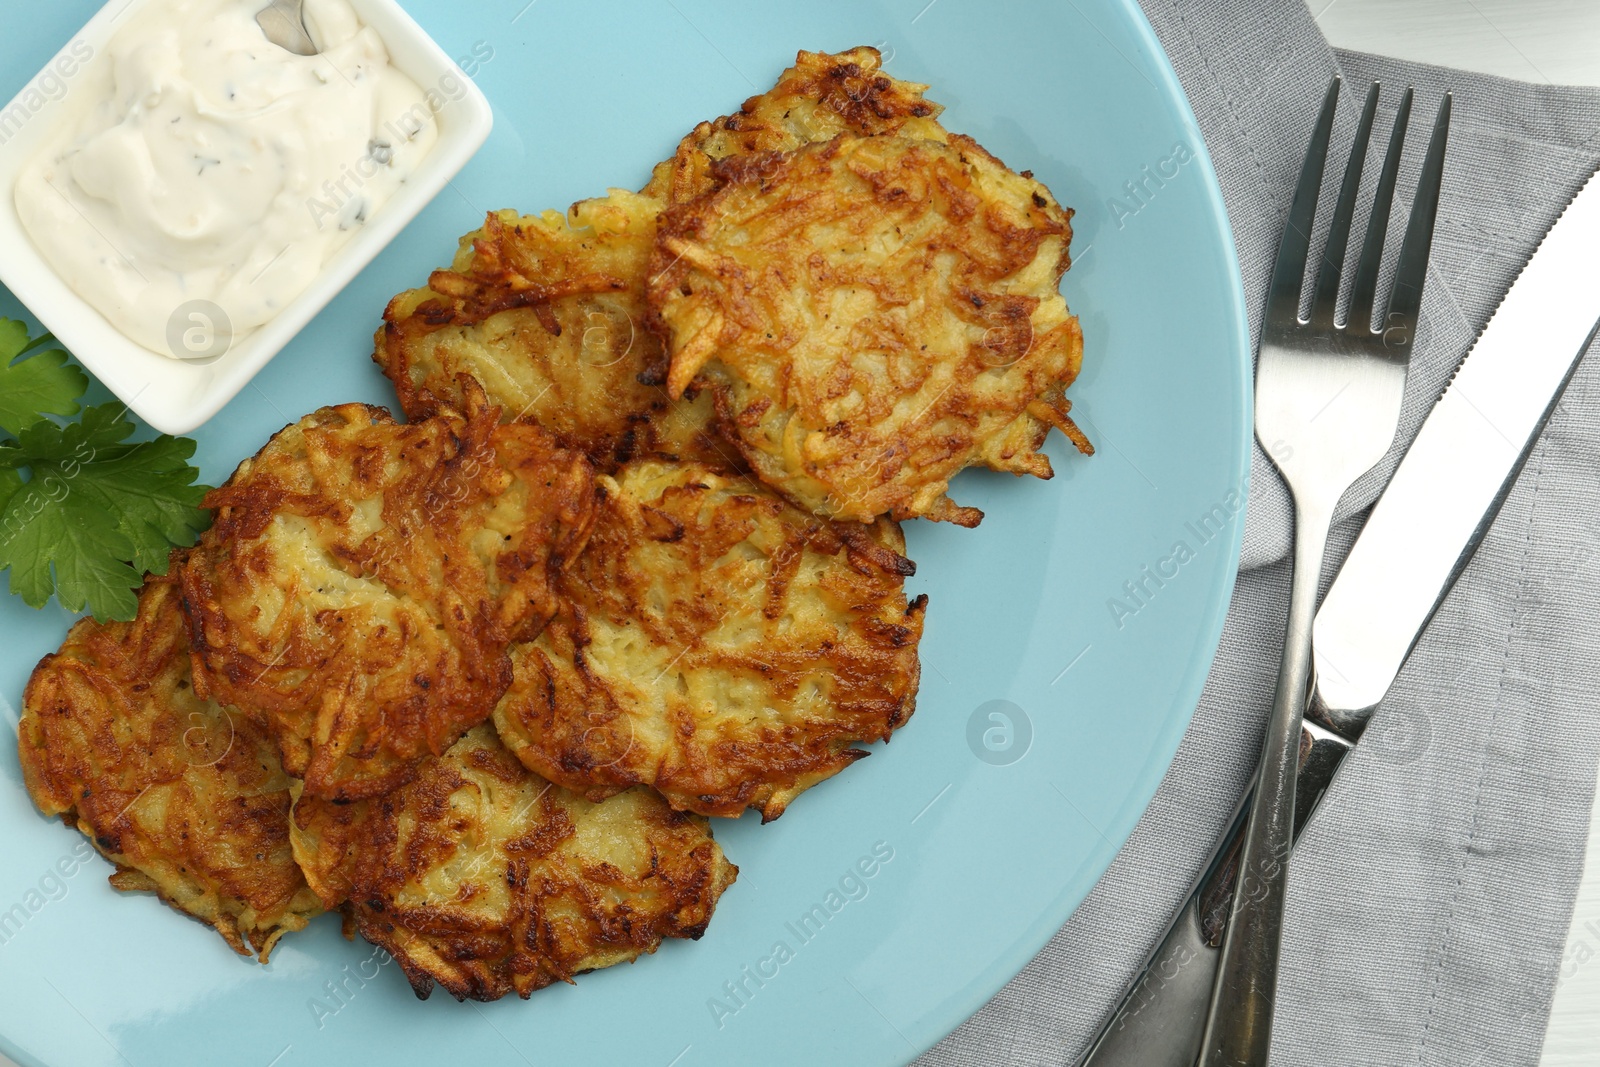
(925, 1031)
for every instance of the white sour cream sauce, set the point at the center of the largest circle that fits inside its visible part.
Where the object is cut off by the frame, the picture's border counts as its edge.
(204, 163)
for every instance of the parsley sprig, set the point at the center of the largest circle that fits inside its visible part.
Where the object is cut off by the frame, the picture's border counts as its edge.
(84, 512)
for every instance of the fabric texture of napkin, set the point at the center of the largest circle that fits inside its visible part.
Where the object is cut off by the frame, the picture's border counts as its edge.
(1431, 894)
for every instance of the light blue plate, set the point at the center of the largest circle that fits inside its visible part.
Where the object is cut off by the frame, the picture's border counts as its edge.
(996, 827)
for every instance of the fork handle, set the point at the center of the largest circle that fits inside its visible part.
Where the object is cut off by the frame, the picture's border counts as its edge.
(1238, 1030)
(1159, 1020)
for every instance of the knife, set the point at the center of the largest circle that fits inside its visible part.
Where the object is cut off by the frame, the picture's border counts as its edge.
(1415, 544)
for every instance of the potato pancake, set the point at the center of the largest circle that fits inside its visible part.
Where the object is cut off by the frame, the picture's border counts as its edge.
(718, 644)
(363, 579)
(548, 311)
(873, 315)
(486, 879)
(815, 100)
(186, 798)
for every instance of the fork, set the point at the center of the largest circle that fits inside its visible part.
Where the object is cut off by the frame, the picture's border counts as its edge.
(1327, 407)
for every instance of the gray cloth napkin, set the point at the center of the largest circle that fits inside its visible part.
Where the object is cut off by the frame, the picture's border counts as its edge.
(1430, 897)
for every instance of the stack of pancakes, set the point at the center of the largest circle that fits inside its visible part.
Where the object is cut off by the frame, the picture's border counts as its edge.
(478, 680)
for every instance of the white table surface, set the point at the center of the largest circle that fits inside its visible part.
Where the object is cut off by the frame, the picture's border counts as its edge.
(1556, 41)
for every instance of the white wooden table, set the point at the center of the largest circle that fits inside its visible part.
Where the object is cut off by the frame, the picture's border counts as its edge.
(1539, 41)
(1554, 41)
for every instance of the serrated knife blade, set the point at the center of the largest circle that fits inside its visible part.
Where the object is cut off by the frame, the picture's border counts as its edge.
(1415, 544)
(1459, 470)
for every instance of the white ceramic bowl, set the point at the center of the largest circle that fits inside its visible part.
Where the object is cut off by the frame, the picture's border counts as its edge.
(176, 396)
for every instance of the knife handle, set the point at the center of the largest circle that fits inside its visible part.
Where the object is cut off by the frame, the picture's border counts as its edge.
(1160, 1020)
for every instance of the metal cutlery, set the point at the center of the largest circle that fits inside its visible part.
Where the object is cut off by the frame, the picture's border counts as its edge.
(1327, 406)
(1310, 369)
(284, 23)
(1458, 471)
(1419, 538)
(1159, 1021)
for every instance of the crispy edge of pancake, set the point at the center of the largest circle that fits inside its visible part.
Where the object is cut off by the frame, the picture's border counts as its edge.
(719, 645)
(821, 96)
(112, 737)
(517, 264)
(547, 313)
(486, 879)
(928, 244)
(541, 280)
(402, 647)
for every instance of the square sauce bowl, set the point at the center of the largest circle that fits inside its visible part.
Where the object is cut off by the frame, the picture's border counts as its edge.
(177, 395)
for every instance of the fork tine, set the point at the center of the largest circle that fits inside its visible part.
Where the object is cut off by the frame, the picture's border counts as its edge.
(1364, 291)
(1412, 269)
(1326, 299)
(1284, 298)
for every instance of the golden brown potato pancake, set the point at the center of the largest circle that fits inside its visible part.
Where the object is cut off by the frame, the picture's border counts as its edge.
(718, 644)
(548, 311)
(873, 315)
(185, 797)
(817, 99)
(486, 879)
(363, 579)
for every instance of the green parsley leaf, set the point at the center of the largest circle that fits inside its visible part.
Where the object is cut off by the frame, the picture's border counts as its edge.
(96, 510)
(36, 385)
(10, 482)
